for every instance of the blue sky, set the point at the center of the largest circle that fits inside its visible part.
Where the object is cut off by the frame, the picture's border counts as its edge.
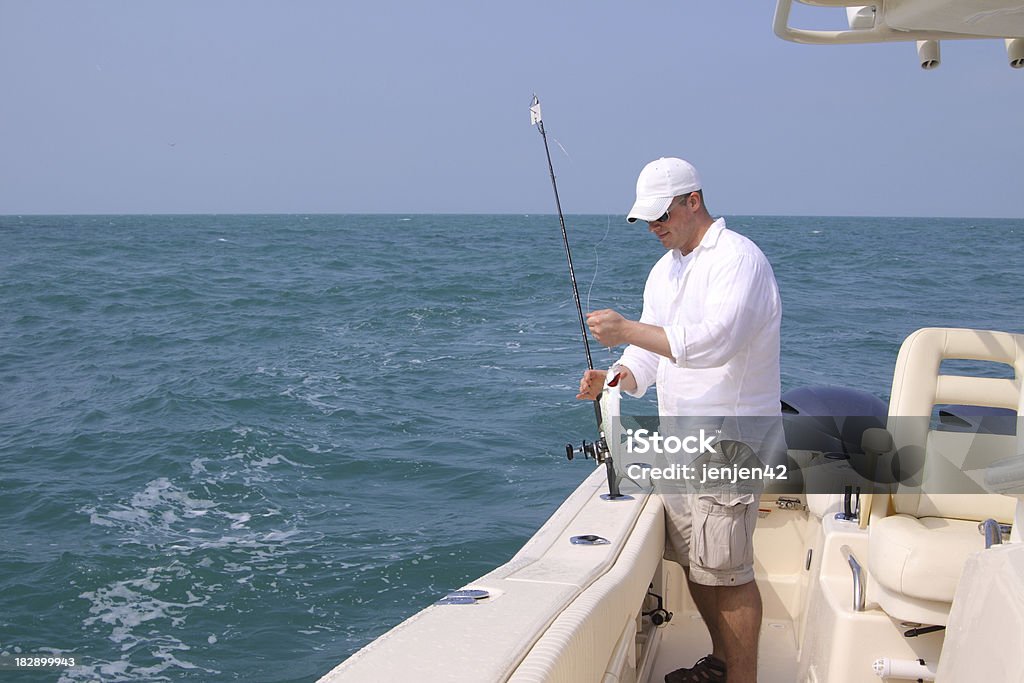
(411, 107)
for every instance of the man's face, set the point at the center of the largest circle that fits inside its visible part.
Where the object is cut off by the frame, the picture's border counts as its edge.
(680, 229)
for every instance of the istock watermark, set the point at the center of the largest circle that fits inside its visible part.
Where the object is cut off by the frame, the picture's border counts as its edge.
(707, 473)
(956, 449)
(642, 441)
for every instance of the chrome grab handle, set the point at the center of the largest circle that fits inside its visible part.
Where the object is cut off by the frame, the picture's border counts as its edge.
(858, 578)
(993, 532)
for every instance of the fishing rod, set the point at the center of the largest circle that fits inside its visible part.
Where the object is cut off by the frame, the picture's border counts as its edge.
(535, 118)
(598, 450)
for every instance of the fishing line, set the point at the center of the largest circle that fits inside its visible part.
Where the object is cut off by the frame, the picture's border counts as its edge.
(597, 264)
(597, 260)
(562, 148)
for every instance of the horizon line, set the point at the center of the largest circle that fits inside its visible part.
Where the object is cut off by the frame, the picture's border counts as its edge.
(474, 213)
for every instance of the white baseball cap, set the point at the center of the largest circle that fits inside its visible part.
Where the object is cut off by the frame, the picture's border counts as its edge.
(659, 183)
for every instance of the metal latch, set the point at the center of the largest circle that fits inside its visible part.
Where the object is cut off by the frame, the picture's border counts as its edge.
(465, 596)
(589, 539)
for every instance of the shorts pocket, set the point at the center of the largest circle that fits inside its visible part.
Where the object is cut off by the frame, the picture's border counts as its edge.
(722, 533)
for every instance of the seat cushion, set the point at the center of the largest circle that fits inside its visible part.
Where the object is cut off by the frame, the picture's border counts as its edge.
(921, 558)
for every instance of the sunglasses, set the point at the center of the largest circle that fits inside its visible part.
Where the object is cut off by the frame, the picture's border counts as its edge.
(668, 212)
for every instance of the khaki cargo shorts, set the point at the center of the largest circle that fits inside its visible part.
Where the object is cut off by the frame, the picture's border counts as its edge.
(709, 524)
(713, 536)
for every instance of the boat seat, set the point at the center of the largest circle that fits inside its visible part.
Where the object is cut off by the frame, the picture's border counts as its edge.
(917, 553)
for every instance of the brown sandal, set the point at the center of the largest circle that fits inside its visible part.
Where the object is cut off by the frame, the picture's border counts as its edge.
(707, 670)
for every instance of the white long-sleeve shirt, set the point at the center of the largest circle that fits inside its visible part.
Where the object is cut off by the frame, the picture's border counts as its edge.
(720, 308)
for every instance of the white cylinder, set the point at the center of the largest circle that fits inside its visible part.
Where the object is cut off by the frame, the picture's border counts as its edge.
(928, 54)
(903, 669)
(1015, 52)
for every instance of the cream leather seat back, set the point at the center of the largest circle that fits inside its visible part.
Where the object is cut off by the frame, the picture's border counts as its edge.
(917, 554)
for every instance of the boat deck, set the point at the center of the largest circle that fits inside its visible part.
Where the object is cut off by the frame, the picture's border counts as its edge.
(779, 556)
(685, 639)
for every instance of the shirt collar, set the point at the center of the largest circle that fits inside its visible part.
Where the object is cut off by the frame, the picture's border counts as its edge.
(709, 241)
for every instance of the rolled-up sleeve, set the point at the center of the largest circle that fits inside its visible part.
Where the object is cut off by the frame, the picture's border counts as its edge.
(644, 366)
(738, 307)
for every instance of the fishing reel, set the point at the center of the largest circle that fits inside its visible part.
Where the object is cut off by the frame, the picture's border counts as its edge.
(659, 615)
(602, 455)
(597, 450)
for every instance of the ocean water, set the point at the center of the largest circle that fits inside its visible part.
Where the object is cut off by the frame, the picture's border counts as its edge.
(241, 447)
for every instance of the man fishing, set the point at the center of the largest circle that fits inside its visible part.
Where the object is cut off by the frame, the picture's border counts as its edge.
(708, 338)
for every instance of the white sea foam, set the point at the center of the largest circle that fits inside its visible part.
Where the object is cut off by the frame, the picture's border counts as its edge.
(138, 621)
(238, 520)
(155, 517)
(142, 615)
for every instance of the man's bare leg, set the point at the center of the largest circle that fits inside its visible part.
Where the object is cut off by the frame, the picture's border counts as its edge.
(733, 616)
(706, 600)
(739, 626)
